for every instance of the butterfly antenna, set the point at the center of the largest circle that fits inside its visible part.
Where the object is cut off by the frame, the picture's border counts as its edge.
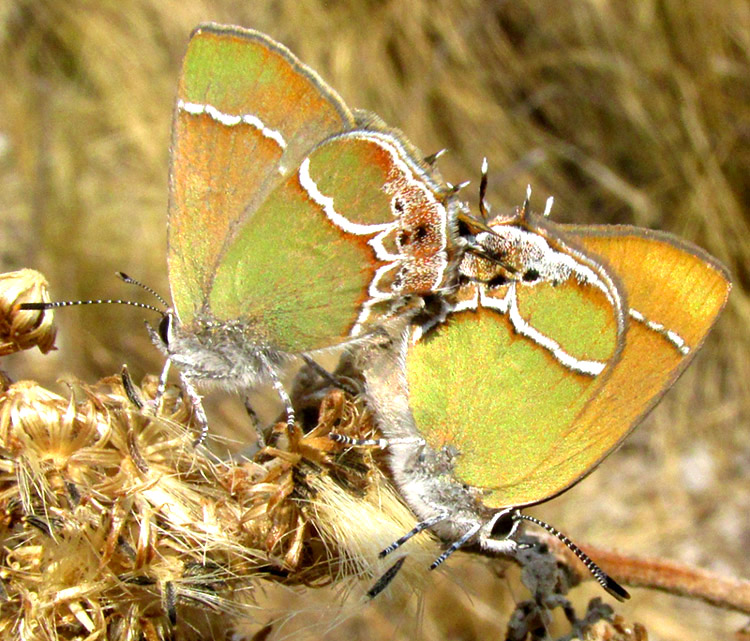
(484, 208)
(98, 301)
(42, 306)
(132, 281)
(607, 582)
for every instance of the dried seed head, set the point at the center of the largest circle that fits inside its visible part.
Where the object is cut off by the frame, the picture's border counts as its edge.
(112, 520)
(23, 329)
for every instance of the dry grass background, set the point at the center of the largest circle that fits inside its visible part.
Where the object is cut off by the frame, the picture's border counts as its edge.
(625, 112)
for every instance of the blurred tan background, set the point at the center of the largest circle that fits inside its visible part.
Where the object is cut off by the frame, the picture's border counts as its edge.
(625, 112)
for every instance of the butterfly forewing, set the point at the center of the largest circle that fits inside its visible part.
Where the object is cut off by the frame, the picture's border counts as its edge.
(247, 112)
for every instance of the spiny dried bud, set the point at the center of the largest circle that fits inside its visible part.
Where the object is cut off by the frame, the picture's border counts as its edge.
(22, 329)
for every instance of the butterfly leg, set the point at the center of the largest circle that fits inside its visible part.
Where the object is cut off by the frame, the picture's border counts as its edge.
(259, 435)
(382, 443)
(456, 545)
(162, 386)
(432, 158)
(197, 403)
(419, 527)
(358, 442)
(333, 380)
(134, 396)
(283, 395)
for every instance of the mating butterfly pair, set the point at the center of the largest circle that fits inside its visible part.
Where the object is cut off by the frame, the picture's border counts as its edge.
(297, 225)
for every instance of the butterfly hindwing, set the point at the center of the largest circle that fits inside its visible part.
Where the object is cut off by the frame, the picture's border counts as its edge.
(354, 228)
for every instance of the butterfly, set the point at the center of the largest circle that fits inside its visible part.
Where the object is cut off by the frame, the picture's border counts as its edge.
(295, 224)
(556, 344)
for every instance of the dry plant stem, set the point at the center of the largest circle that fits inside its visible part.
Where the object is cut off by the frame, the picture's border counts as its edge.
(660, 574)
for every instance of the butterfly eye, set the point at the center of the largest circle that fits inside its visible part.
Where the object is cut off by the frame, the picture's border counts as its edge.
(504, 525)
(164, 326)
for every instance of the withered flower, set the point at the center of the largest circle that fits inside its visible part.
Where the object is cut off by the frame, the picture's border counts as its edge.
(23, 329)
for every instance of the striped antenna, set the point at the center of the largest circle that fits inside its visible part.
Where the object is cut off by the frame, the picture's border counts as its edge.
(98, 301)
(607, 582)
(42, 306)
(132, 281)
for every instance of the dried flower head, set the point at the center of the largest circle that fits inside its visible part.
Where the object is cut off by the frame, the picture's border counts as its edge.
(112, 521)
(22, 329)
